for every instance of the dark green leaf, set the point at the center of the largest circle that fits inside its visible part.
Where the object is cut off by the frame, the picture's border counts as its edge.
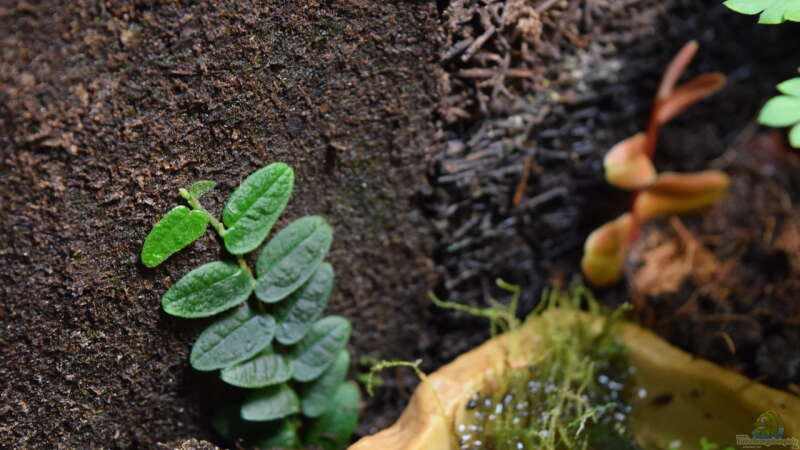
(201, 187)
(319, 348)
(291, 257)
(296, 314)
(207, 290)
(317, 396)
(255, 205)
(266, 369)
(233, 339)
(177, 229)
(279, 433)
(333, 429)
(270, 403)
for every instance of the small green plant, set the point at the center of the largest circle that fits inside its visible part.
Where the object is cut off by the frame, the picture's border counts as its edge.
(782, 110)
(272, 343)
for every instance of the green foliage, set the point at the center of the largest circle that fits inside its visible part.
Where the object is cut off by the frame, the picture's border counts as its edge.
(238, 336)
(296, 314)
(266, 369)
(272, 343)
(333, 429)
(291, 257)
(784, 110)
(200, 188)
(255, 206)
(316, 352)
(270, 403)
(179, 228)
(771, 11)
(207, 290)
(316, 396)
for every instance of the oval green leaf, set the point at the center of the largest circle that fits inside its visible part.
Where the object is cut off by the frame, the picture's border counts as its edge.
(296, 314)
(177, 229)
(254, 207)
(780, 111)
(333, 429)
(794, 136)
(199, 188)
(270, 403)
(233, 339)
(266, 369)
(790, 87)
(291, 257)
(208, 290)
(317, 397)
(317, 351)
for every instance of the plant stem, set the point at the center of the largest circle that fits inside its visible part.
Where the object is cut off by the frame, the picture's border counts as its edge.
(244, 266)
(195, 204)
(221, 230)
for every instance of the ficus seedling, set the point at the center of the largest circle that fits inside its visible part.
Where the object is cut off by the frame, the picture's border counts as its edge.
(629, 165)
(269, 337)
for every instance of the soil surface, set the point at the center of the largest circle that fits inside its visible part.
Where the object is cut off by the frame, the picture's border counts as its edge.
(449, 144)
(107, 108)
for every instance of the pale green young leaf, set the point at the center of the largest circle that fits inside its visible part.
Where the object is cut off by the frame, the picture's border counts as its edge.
(270, 403)
(317, 351)
(199, 188)
(333, 429)
(177, 229)
(236, 337)
(790, 87)
(208, 290)
(317, 396)
(255, 205)
(780, 111)
(296, 314)
(265, 369)
(771, 11)
(794, 136)
(291, 257)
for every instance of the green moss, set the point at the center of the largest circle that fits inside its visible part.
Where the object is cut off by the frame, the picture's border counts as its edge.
(573, 398)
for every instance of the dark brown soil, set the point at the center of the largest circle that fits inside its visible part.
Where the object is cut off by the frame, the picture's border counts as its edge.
(724, 285)
(107, 108)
